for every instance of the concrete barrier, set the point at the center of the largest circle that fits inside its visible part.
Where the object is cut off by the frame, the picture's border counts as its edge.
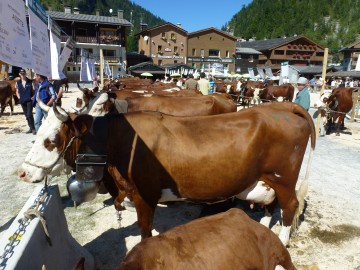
(25, 246)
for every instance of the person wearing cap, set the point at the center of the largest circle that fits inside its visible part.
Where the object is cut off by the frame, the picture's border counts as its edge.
(24, 92)
(303, 96)
(47, 95)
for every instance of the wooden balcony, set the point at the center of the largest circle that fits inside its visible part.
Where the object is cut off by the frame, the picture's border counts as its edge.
(81, 39)
(111, 40)
(109, 59)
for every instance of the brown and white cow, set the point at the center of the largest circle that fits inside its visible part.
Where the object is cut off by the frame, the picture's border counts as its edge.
(6, 97)
(284, 92)
(151, 157)
(339, 102)
(229, 240)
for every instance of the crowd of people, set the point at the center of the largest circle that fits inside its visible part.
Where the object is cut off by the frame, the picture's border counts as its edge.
(28, 91)
(205, 84)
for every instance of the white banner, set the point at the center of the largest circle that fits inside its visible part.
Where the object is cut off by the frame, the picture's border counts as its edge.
(268, 72)
(55, 51)
(357, 68)
(251, 73)
(64, 56)
(83, 70)
(14, 34)
(91, 65)
(40, 46)
(261, 72)
(107, 69)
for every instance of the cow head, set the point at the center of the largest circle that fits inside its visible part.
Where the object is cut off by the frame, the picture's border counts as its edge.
(99, 106)
(53, 151)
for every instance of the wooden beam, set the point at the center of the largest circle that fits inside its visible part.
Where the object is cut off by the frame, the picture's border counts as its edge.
(101, 68)
(317, 126)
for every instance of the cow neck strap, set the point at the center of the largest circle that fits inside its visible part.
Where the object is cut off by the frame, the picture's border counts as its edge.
(132, 154)
(49, 168)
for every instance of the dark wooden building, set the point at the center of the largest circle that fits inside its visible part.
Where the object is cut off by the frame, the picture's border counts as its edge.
(92, 32)
(297, 51)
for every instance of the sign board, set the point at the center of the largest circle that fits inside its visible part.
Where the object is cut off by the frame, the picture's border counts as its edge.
(14, 35)
(40, 46)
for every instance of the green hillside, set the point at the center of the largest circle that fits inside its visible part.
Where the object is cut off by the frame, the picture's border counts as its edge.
(132, 12)
(331, 23)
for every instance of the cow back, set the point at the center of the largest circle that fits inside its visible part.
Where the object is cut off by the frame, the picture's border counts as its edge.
(229, 240)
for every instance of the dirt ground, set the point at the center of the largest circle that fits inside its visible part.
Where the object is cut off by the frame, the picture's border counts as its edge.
(327, 237)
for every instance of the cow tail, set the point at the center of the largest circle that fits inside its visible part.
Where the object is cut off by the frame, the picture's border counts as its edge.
(301, 192)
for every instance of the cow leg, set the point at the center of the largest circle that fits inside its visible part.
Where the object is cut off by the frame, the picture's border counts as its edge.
(269, 211)
(288, 204)
(11, 104)
(340, 121)
(145, 215)
(329, 125)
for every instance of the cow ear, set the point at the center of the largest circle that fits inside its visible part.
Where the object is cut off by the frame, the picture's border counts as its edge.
(82, 124)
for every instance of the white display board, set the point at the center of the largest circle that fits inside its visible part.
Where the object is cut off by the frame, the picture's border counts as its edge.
(40, 46)
(14, 35)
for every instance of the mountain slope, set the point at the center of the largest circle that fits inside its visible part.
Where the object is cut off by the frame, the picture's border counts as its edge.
(331, 23)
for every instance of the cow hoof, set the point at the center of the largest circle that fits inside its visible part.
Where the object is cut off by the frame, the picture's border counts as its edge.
(337, 134)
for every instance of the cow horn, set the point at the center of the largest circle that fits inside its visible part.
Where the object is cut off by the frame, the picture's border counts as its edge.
(42, 105)
(59, 115)
(80, 88)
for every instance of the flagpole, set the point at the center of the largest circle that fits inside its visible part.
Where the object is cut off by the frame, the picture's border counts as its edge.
(101, 68)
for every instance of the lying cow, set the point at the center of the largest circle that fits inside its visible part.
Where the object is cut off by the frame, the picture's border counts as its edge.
(229, 240)
(151, 157)
(6, 97)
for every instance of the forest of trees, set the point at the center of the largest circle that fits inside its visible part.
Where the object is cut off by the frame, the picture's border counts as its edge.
(330, 23)
(132, 12)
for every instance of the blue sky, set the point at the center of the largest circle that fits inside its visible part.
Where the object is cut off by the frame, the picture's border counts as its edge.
(194, 15)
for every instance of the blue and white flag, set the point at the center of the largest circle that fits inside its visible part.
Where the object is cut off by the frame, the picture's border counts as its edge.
(107, 69)
(268, 72)
(251, 73)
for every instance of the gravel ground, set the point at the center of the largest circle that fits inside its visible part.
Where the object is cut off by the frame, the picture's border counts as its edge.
(327, 238)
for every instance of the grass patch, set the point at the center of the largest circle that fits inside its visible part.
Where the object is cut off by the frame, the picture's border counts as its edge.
(339, 234)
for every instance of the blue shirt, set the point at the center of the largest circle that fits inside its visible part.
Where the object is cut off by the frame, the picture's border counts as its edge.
(303, 98)
(46, 92)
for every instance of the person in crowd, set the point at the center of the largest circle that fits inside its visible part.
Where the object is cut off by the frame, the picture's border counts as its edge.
(95, 82)
(58, 90)
(46, 94)
(191, 83)
(312, 83)
(227, 79)
(212, 85)
(203, 84)
(24, 92)
(303, 96)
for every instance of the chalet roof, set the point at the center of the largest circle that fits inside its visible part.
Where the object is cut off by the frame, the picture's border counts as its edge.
(160, 26)
(269, 44)
(351, 73)
(214, 30)
(314, 69)
(351, 47)
(247, 51)
(176, 65)
(147, 67)
(88, 18)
